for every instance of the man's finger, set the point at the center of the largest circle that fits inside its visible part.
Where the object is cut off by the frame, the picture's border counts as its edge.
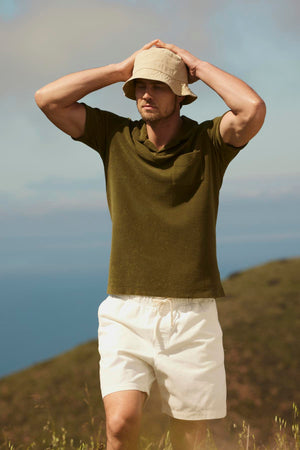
(150, 44)
(171, 47)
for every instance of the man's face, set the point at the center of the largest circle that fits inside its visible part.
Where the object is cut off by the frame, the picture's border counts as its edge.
(155, 100)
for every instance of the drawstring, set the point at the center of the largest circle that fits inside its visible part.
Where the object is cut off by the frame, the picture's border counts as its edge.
(160, 302)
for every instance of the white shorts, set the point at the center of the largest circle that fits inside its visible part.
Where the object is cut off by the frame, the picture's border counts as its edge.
(178, 342)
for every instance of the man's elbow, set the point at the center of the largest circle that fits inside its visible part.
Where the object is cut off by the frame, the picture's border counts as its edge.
(42, 100)
(39, 98)
(254, 117)
(251, 122)
(258, 111)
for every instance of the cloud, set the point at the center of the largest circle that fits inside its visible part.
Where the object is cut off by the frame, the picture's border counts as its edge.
(34, 204)
(262, 187)
(8, 9)
(55, 195)
(61, 185)
(45, 40)
(260, 237)
(286, 14)
(265, 194)
(50, 39)
(53, 37)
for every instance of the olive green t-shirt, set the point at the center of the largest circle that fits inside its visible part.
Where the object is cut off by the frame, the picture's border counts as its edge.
(163, 205)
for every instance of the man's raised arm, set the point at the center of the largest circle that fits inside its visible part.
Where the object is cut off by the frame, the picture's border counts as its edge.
(59, 99)
(247, 109)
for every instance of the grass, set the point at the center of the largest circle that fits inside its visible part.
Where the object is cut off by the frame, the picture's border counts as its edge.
(286, 437)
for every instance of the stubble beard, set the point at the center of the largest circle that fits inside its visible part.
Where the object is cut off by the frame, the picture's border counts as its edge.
(156, 116)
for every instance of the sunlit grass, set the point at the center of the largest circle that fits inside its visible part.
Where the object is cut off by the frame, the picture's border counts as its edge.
(286, 437)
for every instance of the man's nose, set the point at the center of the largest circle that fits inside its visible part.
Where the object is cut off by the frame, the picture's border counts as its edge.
(146, 93)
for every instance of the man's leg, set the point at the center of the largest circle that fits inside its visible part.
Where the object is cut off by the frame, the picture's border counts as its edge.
(188, 434)
(123, 411)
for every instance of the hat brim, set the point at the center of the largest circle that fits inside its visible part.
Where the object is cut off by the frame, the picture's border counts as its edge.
(178, 87)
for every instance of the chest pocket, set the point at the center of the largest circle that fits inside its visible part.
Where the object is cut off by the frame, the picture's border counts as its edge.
(188, 169)
(187, 176)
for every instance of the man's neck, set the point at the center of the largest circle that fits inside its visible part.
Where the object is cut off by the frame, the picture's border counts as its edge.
(161, 132)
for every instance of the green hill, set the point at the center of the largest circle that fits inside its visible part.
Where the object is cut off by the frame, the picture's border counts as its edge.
(260, 320)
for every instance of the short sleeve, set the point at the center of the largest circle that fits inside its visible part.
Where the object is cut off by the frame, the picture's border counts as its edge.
(99, 127)
(225, 152)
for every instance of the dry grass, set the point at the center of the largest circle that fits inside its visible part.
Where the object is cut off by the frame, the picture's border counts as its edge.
(286, 437)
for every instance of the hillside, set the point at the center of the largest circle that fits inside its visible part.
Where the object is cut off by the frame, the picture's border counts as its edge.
(260, 317)
(260, 320)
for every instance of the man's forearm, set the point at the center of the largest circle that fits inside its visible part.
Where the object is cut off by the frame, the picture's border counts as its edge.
(247, 109)
(69, 89)
(237, 95)
(59, 99)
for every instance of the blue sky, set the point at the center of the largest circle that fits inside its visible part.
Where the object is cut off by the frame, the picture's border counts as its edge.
(46, 178)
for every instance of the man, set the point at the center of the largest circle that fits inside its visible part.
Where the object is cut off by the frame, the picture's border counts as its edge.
(163, 176)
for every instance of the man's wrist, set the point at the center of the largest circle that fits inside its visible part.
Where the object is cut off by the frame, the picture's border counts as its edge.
(200, 68)
(122, 72)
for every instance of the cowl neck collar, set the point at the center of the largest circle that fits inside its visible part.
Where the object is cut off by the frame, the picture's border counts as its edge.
(173, 147)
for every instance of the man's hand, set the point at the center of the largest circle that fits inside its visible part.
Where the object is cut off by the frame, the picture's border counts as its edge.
(190, 60)
(126, 66)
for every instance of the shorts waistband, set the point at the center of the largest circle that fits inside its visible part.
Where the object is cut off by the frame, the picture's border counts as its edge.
(174, 304)
(156, 300)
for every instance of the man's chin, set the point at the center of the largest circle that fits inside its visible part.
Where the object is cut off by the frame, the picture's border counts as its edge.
(150, 117)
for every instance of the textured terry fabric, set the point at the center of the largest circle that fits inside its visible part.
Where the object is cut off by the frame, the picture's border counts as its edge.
(163, 205)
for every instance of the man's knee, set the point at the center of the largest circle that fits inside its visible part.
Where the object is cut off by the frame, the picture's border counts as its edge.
(123, 418)
(122, 424)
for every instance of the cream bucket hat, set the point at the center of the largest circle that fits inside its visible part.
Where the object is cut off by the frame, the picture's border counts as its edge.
(160, 64)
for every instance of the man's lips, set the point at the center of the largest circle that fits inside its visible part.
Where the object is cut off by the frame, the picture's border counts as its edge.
(148, 106)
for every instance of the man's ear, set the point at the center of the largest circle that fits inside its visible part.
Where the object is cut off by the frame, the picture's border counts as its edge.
(180, 99)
